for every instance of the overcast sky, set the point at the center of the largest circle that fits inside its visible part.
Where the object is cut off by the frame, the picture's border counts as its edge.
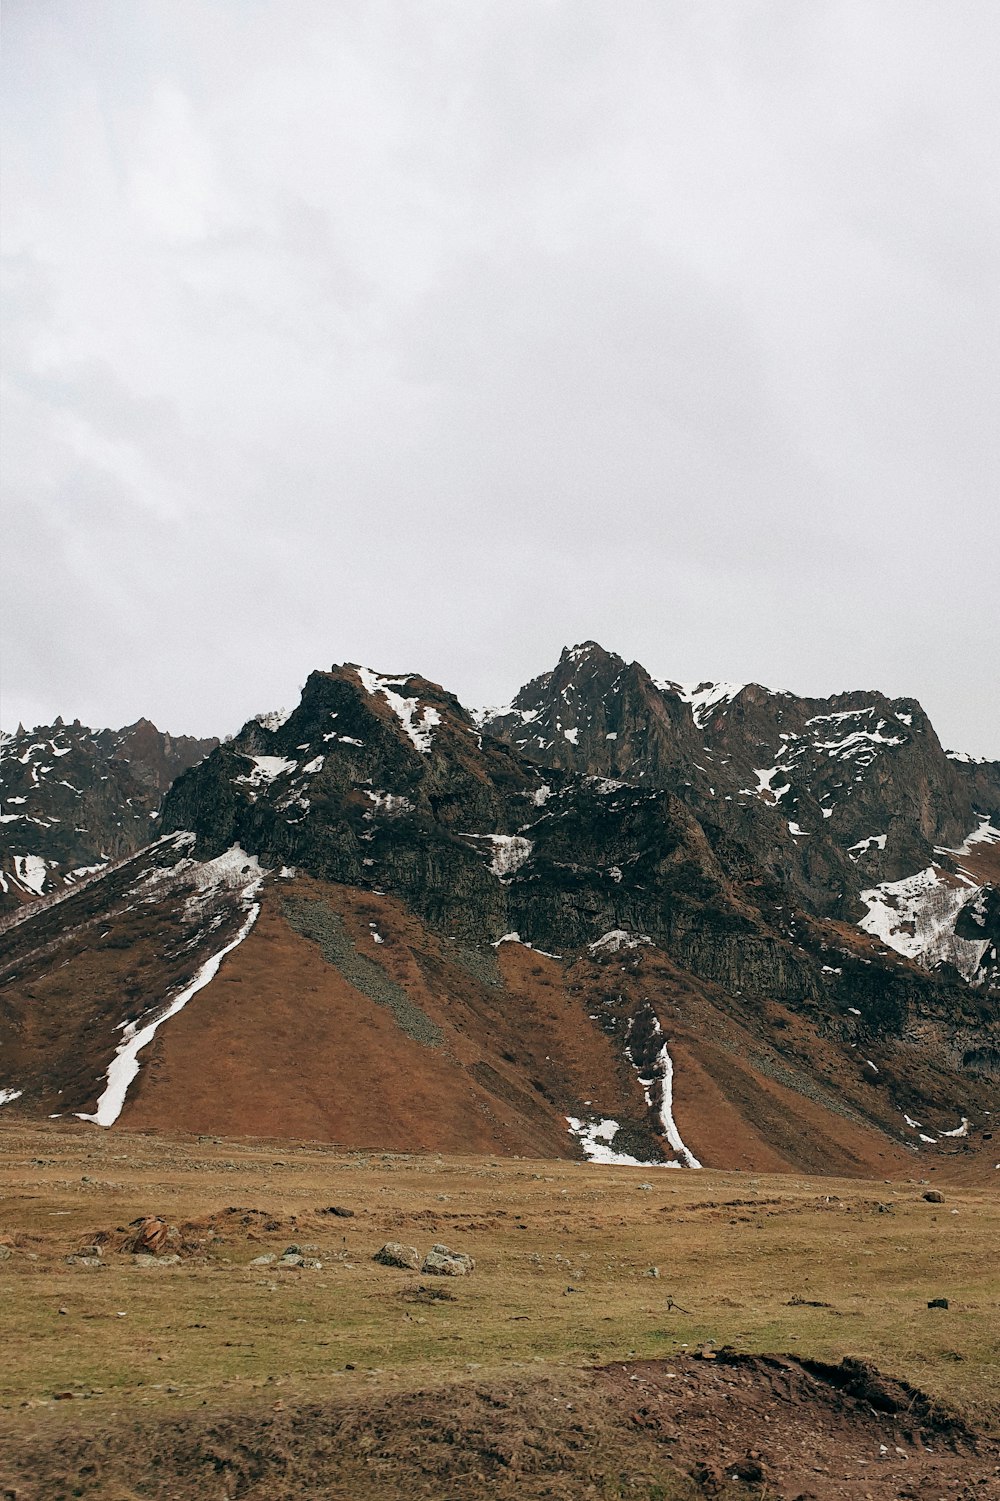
(439, 334)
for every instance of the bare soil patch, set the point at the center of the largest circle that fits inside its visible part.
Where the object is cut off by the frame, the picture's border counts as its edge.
(733, 1426)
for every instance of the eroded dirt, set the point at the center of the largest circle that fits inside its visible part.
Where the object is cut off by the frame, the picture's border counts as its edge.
(725, 1427)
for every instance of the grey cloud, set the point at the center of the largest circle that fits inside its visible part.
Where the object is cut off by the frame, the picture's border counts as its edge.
(440, 335)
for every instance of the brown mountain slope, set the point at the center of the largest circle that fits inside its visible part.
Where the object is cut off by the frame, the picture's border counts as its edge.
(341, 1016)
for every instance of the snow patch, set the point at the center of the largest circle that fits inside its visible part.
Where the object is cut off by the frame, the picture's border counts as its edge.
(510, 851)
(273, 719)
(417, 725)
(595, 1137)
(704, 698)
(985, 833)
(874, 841)
(8, 1096)
(765, 776)
(523, 942)
(388, 803)
(30, 871)
(616, 940)
(917, 915)
(265, 770)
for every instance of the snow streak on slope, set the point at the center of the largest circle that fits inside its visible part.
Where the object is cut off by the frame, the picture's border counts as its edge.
(670, 1130)
(125, 1065)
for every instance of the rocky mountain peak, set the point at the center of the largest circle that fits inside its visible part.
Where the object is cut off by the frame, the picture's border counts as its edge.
(782, 897)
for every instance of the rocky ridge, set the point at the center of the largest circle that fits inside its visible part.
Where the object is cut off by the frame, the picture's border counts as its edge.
(73, 799)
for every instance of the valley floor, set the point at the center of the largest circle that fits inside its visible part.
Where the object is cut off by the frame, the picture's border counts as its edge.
(585, 1356)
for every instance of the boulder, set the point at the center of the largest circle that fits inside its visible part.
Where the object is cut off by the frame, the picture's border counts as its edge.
(151, 1236)
(934, 1196)
(393, 1253)
(442, 1262)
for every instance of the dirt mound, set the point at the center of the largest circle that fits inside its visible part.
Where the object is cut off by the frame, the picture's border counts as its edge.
(730, 1427)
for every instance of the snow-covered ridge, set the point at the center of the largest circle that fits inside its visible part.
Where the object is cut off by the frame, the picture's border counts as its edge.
(704, 698)
(418, 724)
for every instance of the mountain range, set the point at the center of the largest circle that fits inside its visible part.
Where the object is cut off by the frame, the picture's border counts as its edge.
(620, 918)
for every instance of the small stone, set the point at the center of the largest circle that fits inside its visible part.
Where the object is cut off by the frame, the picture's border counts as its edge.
(262, 1260)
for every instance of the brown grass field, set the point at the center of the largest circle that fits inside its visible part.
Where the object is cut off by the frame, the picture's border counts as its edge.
(816, 1268)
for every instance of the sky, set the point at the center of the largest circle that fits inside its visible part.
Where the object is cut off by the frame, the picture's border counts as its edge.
(437, 335)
